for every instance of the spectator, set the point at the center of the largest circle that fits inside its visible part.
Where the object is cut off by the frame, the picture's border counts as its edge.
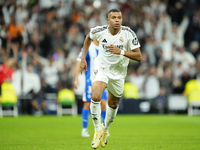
(195, 49)
(151, 50)
(151, 92)
(177, 32)
(27, 85)
(50, 77)
(192, 89)
(166, 81)
(6, 71)
(137, 78)
(65, 80)
(15, 31)
(187, 60)
(166, 48)
(177, 70)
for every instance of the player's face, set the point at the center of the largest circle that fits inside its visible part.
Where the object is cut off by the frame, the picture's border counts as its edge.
(115, 20)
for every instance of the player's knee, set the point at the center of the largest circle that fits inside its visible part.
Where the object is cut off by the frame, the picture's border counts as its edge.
(113, 105)
(96, 97)
(86, 105)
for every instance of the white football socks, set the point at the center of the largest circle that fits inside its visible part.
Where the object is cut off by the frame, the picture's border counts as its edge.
(95, 109)
(110, 116)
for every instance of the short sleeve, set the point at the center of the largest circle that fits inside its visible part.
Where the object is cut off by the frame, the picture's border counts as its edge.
(133, 40)
(96, 32)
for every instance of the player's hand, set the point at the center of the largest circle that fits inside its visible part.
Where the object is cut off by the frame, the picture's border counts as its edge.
(83, 65)
(114, 49)
(76, 83)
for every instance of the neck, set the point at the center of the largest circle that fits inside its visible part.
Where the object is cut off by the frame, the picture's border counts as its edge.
(114, 31)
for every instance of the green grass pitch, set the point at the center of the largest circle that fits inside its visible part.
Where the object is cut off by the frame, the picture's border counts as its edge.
(128, 132)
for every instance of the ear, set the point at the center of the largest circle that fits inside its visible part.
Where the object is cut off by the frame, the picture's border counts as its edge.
(107, 20)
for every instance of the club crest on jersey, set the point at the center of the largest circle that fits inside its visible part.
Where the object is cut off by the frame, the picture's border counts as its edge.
(135, 41)
(121, 39)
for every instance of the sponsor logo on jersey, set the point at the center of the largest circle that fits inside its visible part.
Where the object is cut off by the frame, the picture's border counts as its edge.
(104, 41)
(119, 46)
(107, 49)
(121, 39)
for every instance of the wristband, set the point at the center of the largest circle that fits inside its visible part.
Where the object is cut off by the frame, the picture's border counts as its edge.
(122, 52)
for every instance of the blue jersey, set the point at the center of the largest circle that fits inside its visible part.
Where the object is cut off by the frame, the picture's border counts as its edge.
(90, 56)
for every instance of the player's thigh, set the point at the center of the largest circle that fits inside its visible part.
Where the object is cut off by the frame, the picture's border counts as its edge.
(115, 91)
(99, 83)
(116, 87)
(97, 90)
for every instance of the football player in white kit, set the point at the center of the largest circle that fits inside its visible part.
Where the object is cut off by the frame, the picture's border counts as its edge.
(87, 95)
(117, 44)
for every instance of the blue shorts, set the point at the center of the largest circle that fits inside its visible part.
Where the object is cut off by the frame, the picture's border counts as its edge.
(87, 95)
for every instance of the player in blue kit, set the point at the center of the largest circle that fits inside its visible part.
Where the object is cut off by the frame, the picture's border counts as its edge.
(87, 95)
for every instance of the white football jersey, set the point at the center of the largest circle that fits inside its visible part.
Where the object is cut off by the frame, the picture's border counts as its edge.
(114, 65)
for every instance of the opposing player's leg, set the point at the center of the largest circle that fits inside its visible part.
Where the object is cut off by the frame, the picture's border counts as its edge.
(85, 119)
(95, 108)
(86, 108)
(103, 109)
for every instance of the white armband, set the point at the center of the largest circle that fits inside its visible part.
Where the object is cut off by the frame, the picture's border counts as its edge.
(122, 52)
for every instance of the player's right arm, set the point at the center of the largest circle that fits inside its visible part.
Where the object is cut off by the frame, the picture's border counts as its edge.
(76, 82)
(87, 42)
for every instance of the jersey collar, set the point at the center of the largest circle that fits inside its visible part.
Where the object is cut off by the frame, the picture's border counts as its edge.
(117, 33)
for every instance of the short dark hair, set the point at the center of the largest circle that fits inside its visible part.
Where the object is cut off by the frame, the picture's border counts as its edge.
(113, 10)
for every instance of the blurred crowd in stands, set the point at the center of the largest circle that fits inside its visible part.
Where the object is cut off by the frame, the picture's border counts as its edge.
(40, 41)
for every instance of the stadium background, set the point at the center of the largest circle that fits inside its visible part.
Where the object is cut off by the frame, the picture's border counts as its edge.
(47, 35)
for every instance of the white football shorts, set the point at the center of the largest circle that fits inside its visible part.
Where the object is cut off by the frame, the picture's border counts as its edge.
(115, 86)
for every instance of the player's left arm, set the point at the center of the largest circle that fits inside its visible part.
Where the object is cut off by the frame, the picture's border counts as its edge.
(76, 82)
(134, 54)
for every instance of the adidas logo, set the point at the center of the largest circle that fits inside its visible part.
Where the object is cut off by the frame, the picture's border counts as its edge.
(104, 41)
